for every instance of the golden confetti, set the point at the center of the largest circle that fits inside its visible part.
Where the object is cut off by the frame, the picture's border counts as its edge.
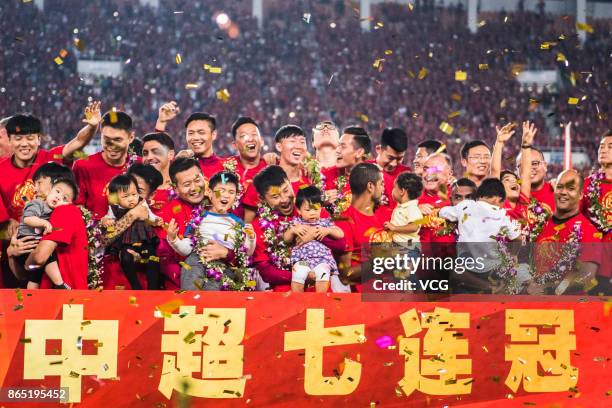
(460, 75)
(545, 45)
(215, 70)
(388, 52)
(363, 117)
(58, 61)
(572, 101)
(446, 128)
(441, 148)
(132, 300)
(185, 266)
(191, 86)
(378, 63)
(453, 114)
(456, 97)
(585, 27)
(178, 58)
(223, 95)
(561, 57)
(167, 308)
(483, 67)
(422, 73)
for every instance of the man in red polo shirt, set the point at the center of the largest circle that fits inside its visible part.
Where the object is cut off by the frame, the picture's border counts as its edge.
(363, 221)
(190, 186)
(94, 173)
(201, 132)
(566, 223)
(353, 148)
(437, 174)
(69, 242)
(269, 258)
(291, 146)
(598, 194)
(390, 155)
(158, 151)
(16, 186)
(541, 190)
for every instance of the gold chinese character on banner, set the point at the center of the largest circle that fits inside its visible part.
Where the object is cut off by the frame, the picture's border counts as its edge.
(220, 354)
(71, 364)
(443, 344)
(540, 360)
(312, 341)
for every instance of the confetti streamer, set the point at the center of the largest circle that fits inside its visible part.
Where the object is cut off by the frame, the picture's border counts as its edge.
(223, 95)
(572, 101)
(585, 27)
(422, 73)
(58, 61)
(446, 128)
(460, 75)
(483, 67)
(178, 59)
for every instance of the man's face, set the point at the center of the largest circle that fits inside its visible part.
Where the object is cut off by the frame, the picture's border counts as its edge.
(604, 154)
(436, 173)
(292, 149)
(478, 162)
(222, 197)
(388, 158)
(325, 134)
(379, 189)
(346, 154)
(157, 155)
(115, 142)
(420, 156)
(144, 191)
(42, 186)
(461, 193)
(511, 186)
(248, 141)
(568, 192)
(539, 168)
(200, 137)
(25, 146)
(190, 185)
(280, 198)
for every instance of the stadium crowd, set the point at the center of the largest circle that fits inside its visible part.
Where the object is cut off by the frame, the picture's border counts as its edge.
(396, 149)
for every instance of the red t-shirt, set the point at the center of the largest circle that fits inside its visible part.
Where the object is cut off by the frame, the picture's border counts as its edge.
(16, 185)
(72, 250)
(246, 175)
(546, 196)
(429, 231)
(558, 231)
(178, 210)
(93, 175)
(360, 229)
(160, 198)
(519, 212)
(389, 180)
(210, 165)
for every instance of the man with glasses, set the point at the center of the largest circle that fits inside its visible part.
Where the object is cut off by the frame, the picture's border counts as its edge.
(541, 190)
(476, 160)
(325, 137)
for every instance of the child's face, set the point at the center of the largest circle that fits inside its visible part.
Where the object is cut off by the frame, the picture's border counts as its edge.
(310, 212)
(397, 193)
(128, 198)
(222, 197)
(144, 191)
(42, 187)
(60, 194)
(511, 186)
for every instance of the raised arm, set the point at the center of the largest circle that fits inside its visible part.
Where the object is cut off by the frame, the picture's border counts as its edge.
(503, 135)
(92, 120)
(167, 112)
(529, 131)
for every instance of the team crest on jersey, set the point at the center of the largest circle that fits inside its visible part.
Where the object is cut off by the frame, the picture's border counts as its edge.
(606, 204)
(24, 192)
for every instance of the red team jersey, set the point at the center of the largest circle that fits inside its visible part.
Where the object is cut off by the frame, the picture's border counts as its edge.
(429, 232)
(360, 229)
(210, 165)
(16, 185)
(546, 196)
(93, 176)
(160, 198)
(389, 180)
(558, 231)
(72, 250)
(519, 212)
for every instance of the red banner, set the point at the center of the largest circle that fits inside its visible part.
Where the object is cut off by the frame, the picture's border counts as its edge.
(127, 348)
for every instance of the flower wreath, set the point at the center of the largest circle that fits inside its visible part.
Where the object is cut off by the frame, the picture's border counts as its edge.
(95, 251)
(313, 169)
(342, 202)
(243, 274)
(596, 212)
(532, 230)
(567, 259)
(273, 230)
(507, 269)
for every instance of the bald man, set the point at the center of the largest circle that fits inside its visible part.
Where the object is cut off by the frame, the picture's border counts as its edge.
(567, 224)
